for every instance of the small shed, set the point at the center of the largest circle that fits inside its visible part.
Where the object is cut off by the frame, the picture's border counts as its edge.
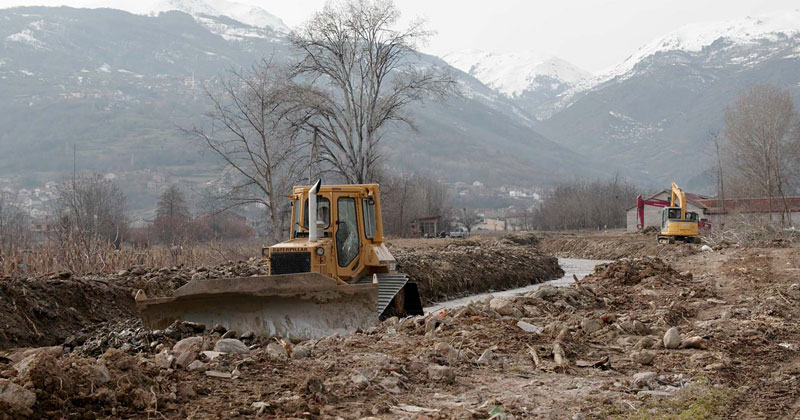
(425, 226)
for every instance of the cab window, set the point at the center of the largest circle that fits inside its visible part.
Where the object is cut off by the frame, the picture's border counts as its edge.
(346, 231)
(323, 212)
(674, 213)
(370, 225)
(296, 211)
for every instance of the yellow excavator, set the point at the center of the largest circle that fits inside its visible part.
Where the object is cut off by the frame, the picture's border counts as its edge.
(333, 275)
(678, 224)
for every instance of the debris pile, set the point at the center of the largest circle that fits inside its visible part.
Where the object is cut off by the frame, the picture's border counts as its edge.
(611, 247)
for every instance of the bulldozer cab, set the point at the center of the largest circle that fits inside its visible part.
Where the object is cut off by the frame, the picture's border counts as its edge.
(348, 242)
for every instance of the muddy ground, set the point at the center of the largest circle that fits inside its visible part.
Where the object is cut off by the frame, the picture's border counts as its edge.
(682, 334)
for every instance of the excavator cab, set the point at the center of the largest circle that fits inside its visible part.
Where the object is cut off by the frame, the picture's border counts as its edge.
(678, 224)
(333, 275)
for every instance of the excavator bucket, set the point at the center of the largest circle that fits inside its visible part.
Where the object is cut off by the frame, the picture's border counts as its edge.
(297, 307)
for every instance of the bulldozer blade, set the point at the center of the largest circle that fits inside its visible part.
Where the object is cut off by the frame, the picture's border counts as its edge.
(297, 307)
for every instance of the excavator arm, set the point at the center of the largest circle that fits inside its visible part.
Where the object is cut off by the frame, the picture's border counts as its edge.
(640, 203)
(677, 193)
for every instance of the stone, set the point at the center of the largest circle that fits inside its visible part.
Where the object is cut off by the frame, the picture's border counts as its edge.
(138, 271)
(643, 379)
(186, 390)
(646, 343)
(672, 338)
(218, 374)
(219, 329)
(441, 373)
(504, 306)
(277, 351)
(639, 328)
(391, 384)
(591, 325)
(447, 351)
(16, 397)
(186, 344)
(643, 357)
(99, 374)
(187, 350)
(231, 345)
(359, 380)
(195, 327)
(528, 327)
(695, 342)
(486, 357)
(229, 334)
(196, 365)
(164, 360)
(198, 276)
(247, 336)
(301, 352)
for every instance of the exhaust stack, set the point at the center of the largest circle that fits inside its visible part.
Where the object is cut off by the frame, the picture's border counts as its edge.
(313, 230)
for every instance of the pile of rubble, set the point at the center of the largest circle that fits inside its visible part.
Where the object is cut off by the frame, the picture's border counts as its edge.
(47, 310)
(466, 267)
(631, 271)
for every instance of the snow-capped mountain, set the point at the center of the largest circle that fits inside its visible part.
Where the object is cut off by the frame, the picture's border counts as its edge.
(532, 80)
(694, 38)
(653, 113)
(512, 73)
(244, 13)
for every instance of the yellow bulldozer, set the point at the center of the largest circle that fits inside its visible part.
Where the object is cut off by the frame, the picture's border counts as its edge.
(333, 275)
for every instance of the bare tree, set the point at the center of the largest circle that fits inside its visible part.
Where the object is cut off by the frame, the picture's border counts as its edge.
(250, 128)
(720, 178)
(90, 214)
(763, 142)
(585, 205)
(469, 219)
(14, 225)
(172, 216)
(406, 196)
(363, 75)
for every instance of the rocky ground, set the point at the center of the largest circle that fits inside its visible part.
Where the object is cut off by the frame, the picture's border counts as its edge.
(689, 335)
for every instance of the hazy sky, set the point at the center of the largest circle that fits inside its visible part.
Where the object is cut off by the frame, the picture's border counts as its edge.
(593, 34)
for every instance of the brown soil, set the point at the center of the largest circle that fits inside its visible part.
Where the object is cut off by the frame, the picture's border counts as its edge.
(582, 351)
(447, 269)
(611, 245)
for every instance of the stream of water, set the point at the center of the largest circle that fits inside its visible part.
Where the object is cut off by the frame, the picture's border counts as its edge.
(578, 267)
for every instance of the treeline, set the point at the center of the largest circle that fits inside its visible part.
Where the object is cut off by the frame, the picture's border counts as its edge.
(585, 205)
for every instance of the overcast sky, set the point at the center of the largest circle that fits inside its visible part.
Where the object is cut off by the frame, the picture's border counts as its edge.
(593, 34)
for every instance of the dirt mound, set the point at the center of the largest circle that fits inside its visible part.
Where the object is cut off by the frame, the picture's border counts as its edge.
(464, 267)
(46, 311)
(632, 271)
(611, 246)
(115, 384)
